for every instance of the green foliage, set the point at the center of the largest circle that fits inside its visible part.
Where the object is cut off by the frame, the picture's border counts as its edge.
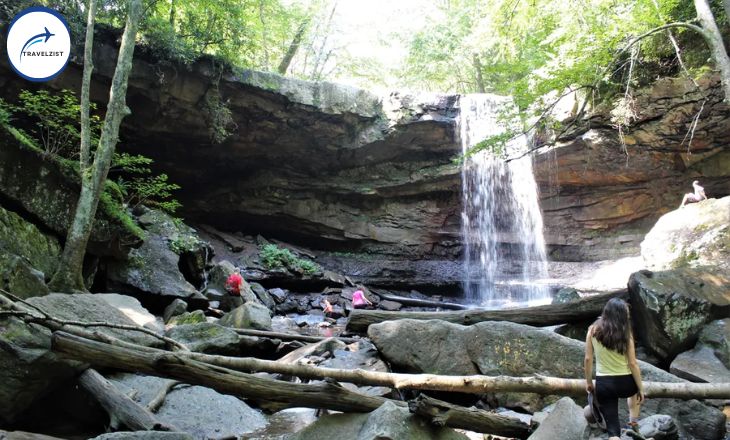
(53, 120)
(137, 186)
(184, 243)
(274, 257)
(530, 49)
(5, 112)
(219, 117)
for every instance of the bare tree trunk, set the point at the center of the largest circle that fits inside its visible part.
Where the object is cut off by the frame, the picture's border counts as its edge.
(68, 276)
(478, 420)
(585, 308)
(478, 69)
(293, 47)
(173, 12)
(714, 40)
(162, 363)
(420, 302)
(85, 91)
(123, 411)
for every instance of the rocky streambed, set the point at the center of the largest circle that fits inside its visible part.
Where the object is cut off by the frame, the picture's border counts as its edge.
(173, 286)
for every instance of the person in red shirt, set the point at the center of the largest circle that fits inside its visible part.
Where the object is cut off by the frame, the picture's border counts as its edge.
(233, 283)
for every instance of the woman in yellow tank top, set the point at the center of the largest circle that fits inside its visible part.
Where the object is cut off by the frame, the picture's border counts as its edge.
(617, 371)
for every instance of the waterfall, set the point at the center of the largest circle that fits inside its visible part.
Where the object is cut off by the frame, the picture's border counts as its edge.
(504, 247)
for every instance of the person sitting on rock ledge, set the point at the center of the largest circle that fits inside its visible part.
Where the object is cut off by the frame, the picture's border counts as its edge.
(233, 283)
(697, 196)
(359, 301)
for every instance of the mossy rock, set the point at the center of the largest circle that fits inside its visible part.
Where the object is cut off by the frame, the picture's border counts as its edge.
(47, 189)
(20, 278)
(24, 239)
(194, 317)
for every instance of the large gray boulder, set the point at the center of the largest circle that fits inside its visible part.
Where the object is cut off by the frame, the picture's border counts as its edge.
(693, 236)
(566, 422)
(207, 337)
(216, 288)
(659, 427)
(700, 365)
(30, 369)
(24, 239)
(19, 277)
(249, 315)
(670, 308)
(389, 422)
(504, 348)
(198, 411)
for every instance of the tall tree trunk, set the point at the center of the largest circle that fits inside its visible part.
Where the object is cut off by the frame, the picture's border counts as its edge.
(85, 156)
(68, 276)
(173, 12)
(478, 69)
(293, 47)
(714, 39)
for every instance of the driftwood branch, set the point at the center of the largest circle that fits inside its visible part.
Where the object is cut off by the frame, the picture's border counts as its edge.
(290, 336)
(420, 302)
(478, 420)
(162, 393)
(34, 314)
(122, 410)
(552, 314)
(160, 362)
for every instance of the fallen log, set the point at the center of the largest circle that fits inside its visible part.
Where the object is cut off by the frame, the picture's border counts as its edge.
(171, 365)
(77, 348)
(290, 336)
(478, 420)
(583, 309)
(420, 302)
(122, 410)
(325, 395)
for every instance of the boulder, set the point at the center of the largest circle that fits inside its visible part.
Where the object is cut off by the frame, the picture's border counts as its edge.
(565, 422)
(716, 335)
(670, 308)
(263, 296)
(152, 269)
(206, 337)
(198, 411)
(176, 307)
(566, 295)
(30, 369)
(47, 190)
(194, 317)
(504, 348)
(216, 288)
(700, 365)
(278, 294)
(183, 240)
(389, 422)
(659, 427)
(132, 309)
(21, 238)
(693, 236)
(20, 278)
(249, 315)
(390, 305)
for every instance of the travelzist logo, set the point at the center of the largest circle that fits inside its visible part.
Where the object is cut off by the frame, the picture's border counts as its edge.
(38, 44)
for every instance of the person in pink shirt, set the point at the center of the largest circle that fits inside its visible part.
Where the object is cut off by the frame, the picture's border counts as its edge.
(359, 301)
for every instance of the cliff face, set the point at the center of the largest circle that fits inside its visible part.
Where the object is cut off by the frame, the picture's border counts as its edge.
(322, 164)
(600, 196)
(339, 169)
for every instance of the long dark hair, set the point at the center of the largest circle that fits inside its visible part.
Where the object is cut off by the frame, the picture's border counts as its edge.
(613, 328)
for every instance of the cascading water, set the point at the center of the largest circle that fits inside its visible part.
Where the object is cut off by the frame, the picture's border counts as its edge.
(504, 254)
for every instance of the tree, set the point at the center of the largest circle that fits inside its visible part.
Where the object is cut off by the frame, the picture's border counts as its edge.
(68, 276)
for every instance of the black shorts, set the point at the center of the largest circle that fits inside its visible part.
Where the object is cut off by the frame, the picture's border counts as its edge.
(608, 390)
